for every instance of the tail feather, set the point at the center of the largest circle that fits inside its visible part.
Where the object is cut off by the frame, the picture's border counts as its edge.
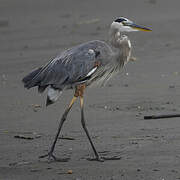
(41, 89)
(29, 80)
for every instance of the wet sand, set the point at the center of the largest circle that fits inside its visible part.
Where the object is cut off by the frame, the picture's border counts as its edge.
(32, 33)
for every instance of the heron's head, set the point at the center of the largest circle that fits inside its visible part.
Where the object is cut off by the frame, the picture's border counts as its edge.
(125, 25)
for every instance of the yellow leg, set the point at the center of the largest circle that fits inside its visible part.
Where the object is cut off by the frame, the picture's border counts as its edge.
(50, 154)
(81, 101)
(72, 101)
(86, 130)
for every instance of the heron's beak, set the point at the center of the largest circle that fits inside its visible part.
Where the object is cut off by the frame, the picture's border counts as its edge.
(139, 28)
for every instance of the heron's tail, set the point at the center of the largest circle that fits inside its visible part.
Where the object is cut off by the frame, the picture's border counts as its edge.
(30, 79)
(33, 79)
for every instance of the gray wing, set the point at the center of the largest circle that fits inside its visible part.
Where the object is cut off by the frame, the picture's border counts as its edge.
(69, 68)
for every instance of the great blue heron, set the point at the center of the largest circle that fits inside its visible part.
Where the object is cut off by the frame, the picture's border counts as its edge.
(79, 67)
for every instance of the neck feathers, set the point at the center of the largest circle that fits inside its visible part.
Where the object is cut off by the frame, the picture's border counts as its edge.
(122, 45)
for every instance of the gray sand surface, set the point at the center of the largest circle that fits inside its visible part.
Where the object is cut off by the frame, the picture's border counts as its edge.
(31, 33)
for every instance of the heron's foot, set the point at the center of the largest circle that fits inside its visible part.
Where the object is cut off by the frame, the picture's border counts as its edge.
(51, 157)
(104, 158)
(99, 159)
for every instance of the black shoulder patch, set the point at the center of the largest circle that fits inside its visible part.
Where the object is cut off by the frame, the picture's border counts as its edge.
(97, 53)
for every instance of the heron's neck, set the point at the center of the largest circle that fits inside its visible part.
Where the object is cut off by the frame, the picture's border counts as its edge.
(122, 47)
(114, 38)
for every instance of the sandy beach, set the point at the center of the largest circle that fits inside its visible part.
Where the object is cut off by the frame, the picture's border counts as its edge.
(34, 32)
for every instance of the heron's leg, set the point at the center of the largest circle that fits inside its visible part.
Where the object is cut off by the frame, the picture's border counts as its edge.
(64, 116)
(86, 130)
(98, 158)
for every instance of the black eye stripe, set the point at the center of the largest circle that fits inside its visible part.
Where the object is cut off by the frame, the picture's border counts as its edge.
(120, 20)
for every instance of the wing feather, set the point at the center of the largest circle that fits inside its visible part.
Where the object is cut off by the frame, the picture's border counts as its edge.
(70, 67)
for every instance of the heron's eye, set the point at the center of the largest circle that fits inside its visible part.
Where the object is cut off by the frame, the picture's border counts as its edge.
(119, 20)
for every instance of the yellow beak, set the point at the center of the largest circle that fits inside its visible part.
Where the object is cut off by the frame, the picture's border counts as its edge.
(140, 28)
